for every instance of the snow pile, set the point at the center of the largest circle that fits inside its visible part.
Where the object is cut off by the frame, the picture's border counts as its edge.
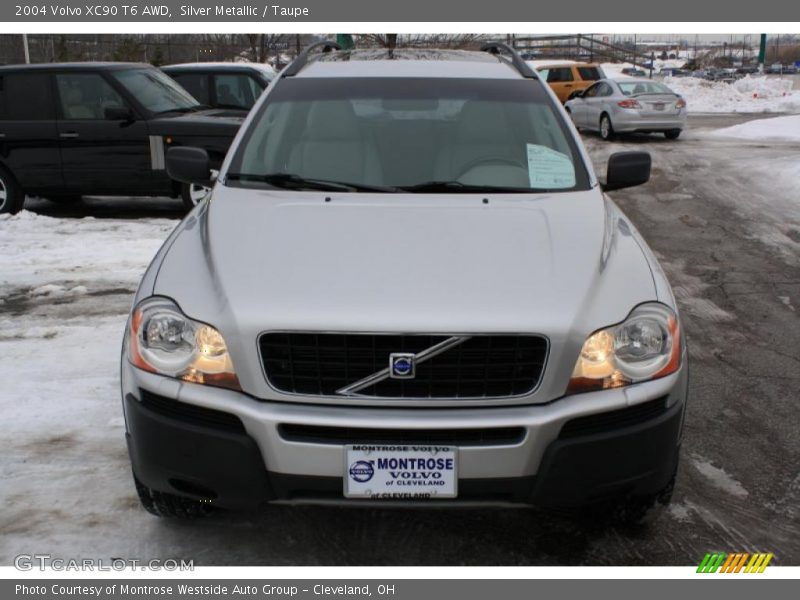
(75, 249)
(777, 128)
(747, 95)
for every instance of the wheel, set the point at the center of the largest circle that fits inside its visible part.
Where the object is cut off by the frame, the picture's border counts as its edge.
(606, 129)
(163, 504)
(12, 198)
(672, 134)
(635, 511)
(193, 194)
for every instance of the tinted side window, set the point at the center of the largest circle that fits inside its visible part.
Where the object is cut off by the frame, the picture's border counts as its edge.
(234, 90)
(86, 95)
(589, 73)
(26, 97)
(196, 84)
(255, 88)
(592, 91)
(559, 74)
(603, 89)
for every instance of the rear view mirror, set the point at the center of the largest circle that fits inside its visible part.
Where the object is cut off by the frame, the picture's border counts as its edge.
(189, 165)
(627, 169)
(118, 113)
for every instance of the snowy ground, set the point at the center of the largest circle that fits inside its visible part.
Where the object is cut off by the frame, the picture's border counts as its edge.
(722, 213)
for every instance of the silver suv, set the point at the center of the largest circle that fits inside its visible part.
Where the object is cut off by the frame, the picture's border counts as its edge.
(407, 287)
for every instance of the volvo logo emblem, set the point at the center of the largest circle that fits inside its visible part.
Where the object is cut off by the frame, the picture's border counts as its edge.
(362, 470)
(402, 365)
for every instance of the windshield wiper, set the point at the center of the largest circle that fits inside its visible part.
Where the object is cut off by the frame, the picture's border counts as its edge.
(290, 180)
(456, 187)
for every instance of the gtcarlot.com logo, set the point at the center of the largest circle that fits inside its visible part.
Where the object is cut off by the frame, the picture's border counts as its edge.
(737, 562)
(41, 562)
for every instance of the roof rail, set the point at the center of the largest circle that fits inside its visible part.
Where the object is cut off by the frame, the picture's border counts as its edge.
(302, 58)
(516, 60)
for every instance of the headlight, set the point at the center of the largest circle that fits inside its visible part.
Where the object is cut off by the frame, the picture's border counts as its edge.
(647, 345)
(165, 341)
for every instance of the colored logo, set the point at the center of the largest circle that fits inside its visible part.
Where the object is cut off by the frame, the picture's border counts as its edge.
(743, 562)
(401, 365)
(362, 471)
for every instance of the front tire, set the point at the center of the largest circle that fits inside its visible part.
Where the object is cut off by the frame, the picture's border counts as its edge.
(638, 511)
(606, 128)
(12, 198)
(672, 134)
(162, 504)
(193, 194)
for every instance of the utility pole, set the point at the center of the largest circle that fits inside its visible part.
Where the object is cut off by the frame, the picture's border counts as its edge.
(762, 52)
(26, 49)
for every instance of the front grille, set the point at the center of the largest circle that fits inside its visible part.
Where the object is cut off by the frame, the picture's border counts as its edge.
(486, 366)
(191, 413)
(315, 434)
(615, 419)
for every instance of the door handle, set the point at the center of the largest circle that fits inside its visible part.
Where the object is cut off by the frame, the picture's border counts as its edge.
(69, 134)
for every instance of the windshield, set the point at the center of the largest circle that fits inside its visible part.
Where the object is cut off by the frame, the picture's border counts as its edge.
(632, 88)
(409, 135)
(156, 91)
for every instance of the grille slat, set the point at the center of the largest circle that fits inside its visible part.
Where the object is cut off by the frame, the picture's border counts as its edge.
(316, 434)
(615, 419)
(191, 413)
(484, 366)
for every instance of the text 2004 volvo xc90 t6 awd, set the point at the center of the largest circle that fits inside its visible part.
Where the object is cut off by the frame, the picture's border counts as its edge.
(406, 287)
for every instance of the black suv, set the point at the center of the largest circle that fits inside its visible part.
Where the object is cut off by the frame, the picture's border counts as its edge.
(73, 129)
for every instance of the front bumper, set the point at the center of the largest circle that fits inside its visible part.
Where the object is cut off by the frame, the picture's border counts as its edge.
(238, 455)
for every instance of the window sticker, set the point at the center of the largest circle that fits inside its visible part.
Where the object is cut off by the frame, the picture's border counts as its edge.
(549, 169)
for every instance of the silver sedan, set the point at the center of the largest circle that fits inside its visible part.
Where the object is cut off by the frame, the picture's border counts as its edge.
(626, 105)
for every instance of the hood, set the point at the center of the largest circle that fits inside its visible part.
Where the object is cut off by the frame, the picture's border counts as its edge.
(205, 122)
(276, 260)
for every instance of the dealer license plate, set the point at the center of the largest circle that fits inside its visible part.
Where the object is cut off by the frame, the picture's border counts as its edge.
(403, 472)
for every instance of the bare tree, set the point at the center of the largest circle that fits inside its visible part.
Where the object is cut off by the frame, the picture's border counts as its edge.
(421, 40)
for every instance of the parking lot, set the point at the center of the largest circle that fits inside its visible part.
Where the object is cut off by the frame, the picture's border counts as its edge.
(723, 216)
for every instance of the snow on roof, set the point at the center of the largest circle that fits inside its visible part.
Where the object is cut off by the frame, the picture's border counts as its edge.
(221, 64)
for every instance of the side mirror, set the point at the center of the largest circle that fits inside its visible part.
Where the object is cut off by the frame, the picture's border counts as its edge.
(189, 165)
(118, 113)
(627, 169)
